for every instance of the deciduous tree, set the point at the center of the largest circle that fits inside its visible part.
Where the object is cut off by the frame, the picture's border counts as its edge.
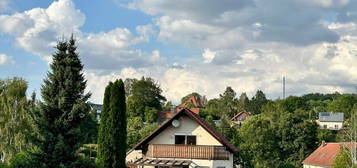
(14, 118)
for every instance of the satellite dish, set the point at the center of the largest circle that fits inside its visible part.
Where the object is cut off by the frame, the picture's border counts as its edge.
(175, 123)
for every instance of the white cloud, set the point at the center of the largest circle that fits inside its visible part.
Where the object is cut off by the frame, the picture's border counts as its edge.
(248, 45)
(38, 30)
(146, 31)
(5, 59)
(208, 55)
(322, 68)
(297, 22)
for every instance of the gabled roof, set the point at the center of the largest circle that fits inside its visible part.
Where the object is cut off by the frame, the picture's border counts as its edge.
(197, 119)
(239, 114)
(325, 154)
(330, 117)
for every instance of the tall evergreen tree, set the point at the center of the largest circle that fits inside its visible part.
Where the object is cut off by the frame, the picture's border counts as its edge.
(104, 149)
(63, 108)
(257, 102)
(228, 102)
(244, 102)
(112, 132)
(118, 123)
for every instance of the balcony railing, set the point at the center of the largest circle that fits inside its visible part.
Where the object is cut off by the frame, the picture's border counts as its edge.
(187, 152)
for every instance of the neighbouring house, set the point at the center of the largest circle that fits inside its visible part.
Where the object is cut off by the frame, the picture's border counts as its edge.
(325, 154)
(330, 120)
(194, 103)
(184, 141)
(240, 117)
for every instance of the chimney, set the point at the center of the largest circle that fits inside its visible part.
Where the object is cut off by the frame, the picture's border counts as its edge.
(173, 110)
(323, 143)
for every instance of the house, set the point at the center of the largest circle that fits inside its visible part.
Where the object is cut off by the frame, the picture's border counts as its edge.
(184, 141)
(194, 103)
(330, 120)
(240, 117)
(325, 155)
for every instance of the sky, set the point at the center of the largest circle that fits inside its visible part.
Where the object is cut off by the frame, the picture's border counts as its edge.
(188, 45)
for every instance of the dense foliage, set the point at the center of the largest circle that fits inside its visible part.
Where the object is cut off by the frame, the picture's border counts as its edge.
(104, 140)
(14, 118)
(343, 159)
(144, 96)
(113, 135)
(279, 133)
(63, 108)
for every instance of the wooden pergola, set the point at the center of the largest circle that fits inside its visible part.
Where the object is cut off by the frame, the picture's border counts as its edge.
(160, 162)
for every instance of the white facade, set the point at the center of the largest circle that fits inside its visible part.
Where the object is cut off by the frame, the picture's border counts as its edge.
(330, 125)
(313, 166)
(187, 127)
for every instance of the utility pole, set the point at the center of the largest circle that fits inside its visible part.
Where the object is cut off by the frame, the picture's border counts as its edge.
(353, 136)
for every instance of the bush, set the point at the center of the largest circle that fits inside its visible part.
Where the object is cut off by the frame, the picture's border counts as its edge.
(286, 165)
(3, 165)
(84, 163)
(23, 160)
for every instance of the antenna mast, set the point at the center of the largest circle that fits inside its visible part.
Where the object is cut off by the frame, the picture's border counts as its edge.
(283, 87)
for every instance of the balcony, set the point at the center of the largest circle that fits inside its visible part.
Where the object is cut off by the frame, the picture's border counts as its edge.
(187, 152)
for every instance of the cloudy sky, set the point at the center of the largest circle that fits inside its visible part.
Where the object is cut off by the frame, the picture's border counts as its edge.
(188, 45)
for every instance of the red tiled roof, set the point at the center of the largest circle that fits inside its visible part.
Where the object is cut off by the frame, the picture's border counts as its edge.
(195, 100)
(194, 117)
(165, 114)
(325, 154)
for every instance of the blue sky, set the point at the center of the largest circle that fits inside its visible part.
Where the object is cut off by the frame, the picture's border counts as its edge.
(188, 46)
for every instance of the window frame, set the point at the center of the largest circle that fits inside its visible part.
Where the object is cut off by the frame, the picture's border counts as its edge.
(185, 135)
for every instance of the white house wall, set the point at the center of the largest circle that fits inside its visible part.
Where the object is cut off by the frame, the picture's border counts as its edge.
(330, 125)
(187, 127)
(313, 166)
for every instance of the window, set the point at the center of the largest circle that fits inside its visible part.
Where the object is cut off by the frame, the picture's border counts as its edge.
(191, 140)
(336, 126)
(185, 139)
(180, 139)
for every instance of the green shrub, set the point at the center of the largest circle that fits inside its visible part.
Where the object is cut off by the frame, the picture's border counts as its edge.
(286, 165)
(23, 160)
(3, 165)
(84, 163)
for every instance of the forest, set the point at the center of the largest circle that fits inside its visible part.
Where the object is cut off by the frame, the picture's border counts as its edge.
(60, 129)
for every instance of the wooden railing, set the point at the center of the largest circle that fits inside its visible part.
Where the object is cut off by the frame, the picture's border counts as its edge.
(187, 152)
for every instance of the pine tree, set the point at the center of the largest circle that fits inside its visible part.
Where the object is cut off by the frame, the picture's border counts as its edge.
(63, 108)
(257, 102)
